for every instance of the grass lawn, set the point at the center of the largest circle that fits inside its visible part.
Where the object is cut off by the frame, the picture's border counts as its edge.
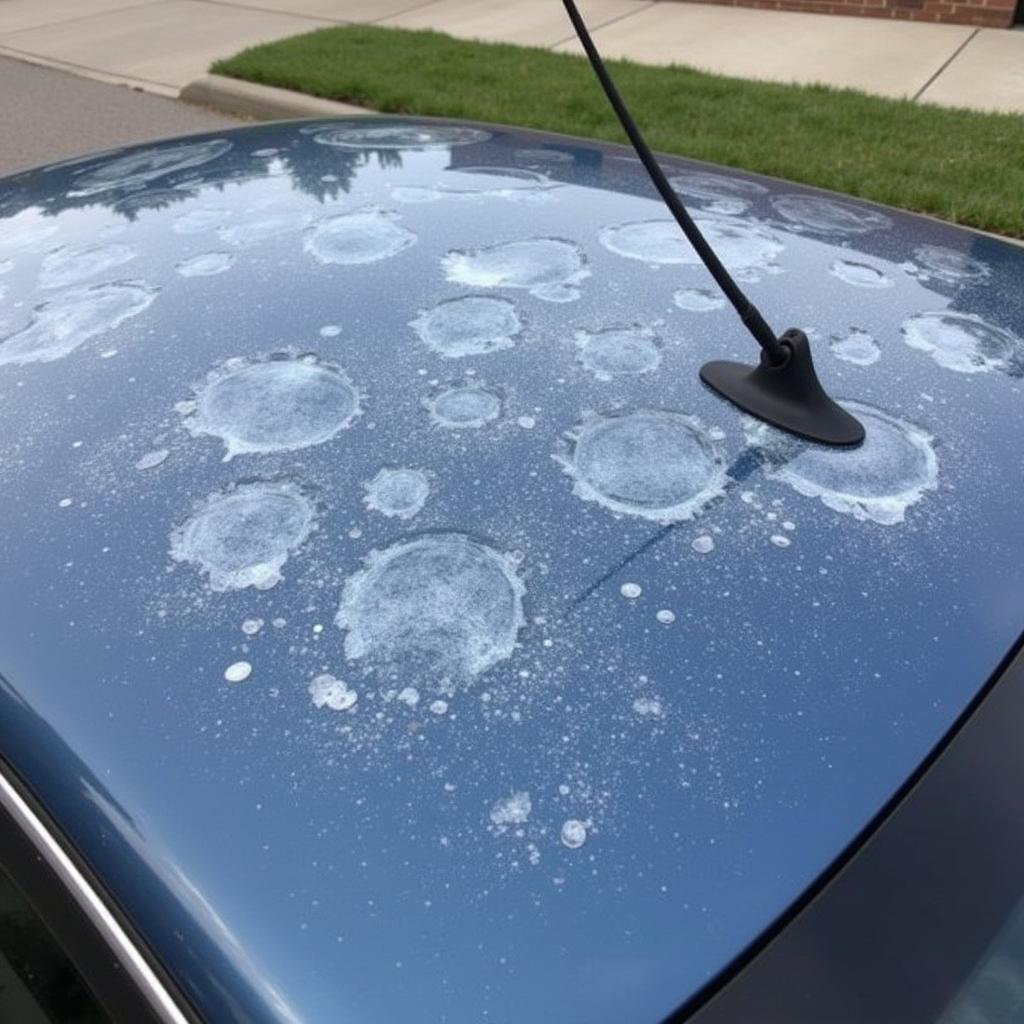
(960, 165)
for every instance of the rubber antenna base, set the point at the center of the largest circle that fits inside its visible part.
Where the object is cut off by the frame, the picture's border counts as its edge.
(788, 396)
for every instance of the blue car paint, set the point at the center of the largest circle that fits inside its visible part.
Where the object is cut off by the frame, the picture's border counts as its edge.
(651, 724)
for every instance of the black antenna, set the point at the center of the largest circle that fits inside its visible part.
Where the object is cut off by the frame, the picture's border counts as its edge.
(783, 389)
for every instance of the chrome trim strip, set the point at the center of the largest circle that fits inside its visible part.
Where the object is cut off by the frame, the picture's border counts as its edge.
(90, 901)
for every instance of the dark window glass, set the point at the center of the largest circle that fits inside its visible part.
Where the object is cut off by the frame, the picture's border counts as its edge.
(38, 984)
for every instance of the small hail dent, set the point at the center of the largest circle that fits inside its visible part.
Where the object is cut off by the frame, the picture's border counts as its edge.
(258, 230)
(250, 627)
(439, 707)
(242, 538)
(618, 351)
(399, 493)
(936, 262)
(152, 459)
(573, 833)
(326, 691)
(197, 221)
(665, 616)
(648, 707)
(409, 696)
(661, 466)
(718, 193)
(205, 264)
(146, 165)
(861, 275)
(698, 300)
(330, 331)
(412, 137)
(745, 248)
(703, 545)
(365, 236)
(66, 322)
(511, 810)
(467, 406)
(238, 672)
(468, 326)
(548, 268)
(440, 602)
(780, 541)
(856, 347)
(829, 217)
(71, 265)
(277, 404)
(963, 342)
(878, 481)
(631, 591)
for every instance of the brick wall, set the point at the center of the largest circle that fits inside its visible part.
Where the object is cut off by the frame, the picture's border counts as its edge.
(988, 13)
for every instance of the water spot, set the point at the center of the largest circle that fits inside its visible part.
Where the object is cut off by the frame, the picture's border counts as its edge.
(464, 406)
(656, 465)
(152, 459)
(780, 541)
(548, 268)
(60, 326)
(328, 692)
(511, 810)
(409, 696)
(573, 834)
(631, 591)
(828, 216)
(440, 603)
(718, 192)
(279, 404)
(330, 331)
(205, 265)
(399, 493)
(936, 262)
(439, 707)
(243, 537)
(195, 222)
(146, 165)
(698, 300)
(479, 183)
(262, 229)
(468, 326)
(250, 627)
(856, 346)
(74, 264)
(665, 616)
(744, 247)
(964, 342)
(365, 236)
(238, 672)
(877, 481)
(861, 275)
(648, 707)
(703, 544)
(399, 136)
(618, 351)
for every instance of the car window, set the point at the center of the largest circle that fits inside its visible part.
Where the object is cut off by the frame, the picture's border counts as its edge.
(38, 984)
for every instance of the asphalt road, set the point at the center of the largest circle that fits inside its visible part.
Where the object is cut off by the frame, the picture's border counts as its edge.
(48, 115)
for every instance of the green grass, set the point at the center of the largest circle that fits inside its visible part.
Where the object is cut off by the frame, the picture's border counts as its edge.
(960, 165)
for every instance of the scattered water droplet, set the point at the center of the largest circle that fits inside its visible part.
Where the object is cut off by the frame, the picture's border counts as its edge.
(512, 810)
(328, 692)
(665, 616)
(238, 672)
(631, 591)
(703, 544)
(573, 834)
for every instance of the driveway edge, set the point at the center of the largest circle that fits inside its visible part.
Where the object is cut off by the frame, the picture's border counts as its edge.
(261, 102)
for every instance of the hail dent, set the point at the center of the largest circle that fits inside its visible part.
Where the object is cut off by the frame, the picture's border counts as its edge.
(548, 268)
(205, 264)
(618, 351)
(468, 326)
(365, 236)
(146, 165)
(413, 137)
(860, 275)
(819, 215)
(464, 406)
(73, 264)
(857, 347)
(965, 343)
(397, 493)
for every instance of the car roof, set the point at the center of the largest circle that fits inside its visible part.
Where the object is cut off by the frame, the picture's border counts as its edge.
(394, 622)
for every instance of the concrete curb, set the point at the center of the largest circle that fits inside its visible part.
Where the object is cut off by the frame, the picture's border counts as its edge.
(261, 102)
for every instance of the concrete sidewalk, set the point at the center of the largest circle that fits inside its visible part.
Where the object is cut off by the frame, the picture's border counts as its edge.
(162, 45)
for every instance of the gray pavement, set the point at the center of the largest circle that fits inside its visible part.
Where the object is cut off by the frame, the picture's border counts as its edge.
(49, 115)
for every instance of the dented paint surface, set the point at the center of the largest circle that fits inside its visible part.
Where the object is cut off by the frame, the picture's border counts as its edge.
(363, 510)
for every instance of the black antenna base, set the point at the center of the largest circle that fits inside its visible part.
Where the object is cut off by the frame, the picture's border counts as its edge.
(787, 395)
